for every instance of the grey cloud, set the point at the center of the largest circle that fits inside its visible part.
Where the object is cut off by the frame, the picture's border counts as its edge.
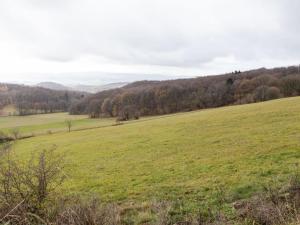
(174, 33)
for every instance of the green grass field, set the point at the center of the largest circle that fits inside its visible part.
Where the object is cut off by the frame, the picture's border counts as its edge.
(43, 123)
(186, 155)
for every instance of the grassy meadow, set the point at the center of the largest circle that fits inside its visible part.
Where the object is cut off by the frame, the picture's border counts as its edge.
(189, 156)
(44, 123)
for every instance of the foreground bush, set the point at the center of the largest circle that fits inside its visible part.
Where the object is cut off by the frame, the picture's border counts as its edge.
(27, 188)
(4, 138)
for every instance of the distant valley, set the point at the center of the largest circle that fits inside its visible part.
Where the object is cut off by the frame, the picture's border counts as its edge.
(81, 87)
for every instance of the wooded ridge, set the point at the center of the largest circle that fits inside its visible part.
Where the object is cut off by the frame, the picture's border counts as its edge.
(163, 97)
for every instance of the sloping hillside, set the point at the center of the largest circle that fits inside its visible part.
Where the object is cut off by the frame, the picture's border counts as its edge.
(188, 155)
(171, 96)
(26, 100)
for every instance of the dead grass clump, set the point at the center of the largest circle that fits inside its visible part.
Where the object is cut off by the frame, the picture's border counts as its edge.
(273, 207)
(88, 212)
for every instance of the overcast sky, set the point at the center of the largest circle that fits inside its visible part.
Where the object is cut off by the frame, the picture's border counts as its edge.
(103, 41)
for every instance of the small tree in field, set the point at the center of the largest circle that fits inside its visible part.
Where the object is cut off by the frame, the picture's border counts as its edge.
(69, 124)
(15, 133)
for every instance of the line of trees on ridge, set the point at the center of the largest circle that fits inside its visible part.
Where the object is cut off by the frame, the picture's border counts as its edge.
(171, 96)
(33, 100)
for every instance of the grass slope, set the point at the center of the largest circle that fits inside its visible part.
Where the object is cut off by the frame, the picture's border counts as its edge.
(42, 123)
(186, 155)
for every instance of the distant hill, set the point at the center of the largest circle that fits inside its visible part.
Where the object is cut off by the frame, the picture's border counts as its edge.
(26, 100)
(53, 86)
(81, 87)
(98, 88)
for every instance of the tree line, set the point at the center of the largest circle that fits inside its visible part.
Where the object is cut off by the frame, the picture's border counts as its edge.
(163, 97)
(33, 100)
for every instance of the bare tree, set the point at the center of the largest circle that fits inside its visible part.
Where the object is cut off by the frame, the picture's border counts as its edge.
(15, 133)
(69, 124)
(29, 186)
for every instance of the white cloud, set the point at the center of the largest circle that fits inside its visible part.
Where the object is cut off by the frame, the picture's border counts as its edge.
(167, 37)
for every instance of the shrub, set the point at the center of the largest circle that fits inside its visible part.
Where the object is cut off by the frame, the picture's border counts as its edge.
(4, 138)
(260, 93)
(29, 194)
(273, 207)
(26, 189)
(16, 133)
(273, 93)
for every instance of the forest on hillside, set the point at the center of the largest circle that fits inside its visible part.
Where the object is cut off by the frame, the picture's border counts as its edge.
(33, 100)
(163, 97)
